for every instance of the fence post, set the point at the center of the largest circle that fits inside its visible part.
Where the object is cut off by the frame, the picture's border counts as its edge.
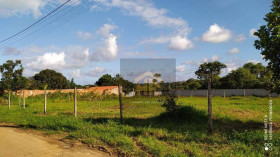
(244, 92)
(75, 102)
(45, 102)
(224, 93)
(9, 101)
(120, 101)
(23, 99)
(19, 98)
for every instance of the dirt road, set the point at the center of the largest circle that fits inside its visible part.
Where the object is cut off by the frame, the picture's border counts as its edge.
(15, 143)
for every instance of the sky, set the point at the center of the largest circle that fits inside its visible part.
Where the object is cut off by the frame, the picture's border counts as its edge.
(85, 39)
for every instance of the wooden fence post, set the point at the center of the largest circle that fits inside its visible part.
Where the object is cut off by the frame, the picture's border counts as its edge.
(23, 99)
(75, 102)
(9, 101)
(45, 102)
(120, 101)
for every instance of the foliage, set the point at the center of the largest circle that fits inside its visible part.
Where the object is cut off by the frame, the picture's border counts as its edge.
(53, 79)
(105, 80)
(12, 78)
(209, 70)
(269, 41)
(170, 103)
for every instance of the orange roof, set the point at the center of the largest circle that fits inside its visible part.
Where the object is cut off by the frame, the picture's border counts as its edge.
(103, 88)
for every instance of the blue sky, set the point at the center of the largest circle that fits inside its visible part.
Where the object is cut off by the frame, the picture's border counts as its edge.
(91, 43)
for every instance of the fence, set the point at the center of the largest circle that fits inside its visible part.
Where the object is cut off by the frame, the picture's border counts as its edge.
(215, 92)
(226, 92)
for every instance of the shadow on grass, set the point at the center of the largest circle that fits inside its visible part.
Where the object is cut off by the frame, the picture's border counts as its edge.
(187, 118)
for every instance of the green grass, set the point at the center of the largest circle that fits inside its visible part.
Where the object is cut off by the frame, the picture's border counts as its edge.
(148, 130)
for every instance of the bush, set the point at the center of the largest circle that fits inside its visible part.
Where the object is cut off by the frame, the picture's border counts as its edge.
(170, 103)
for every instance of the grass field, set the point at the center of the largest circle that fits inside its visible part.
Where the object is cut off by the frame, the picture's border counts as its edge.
(148, 130)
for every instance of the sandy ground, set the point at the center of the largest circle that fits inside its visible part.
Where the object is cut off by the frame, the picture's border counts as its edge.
(17, 143)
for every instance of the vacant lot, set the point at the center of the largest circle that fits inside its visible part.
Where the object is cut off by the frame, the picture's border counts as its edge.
(149, 131)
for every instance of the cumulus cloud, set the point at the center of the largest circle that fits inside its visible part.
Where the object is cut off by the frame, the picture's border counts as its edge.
(156, 18)
(216, 34)
(84, 35)
(240, 38)
(54, 61)
(233, 51)
(96, 72)
(180, 68)
(180, 43)
(106, 29)
(18, 7)
(254, 61)
(252, 31)
(77, 56)
(75, 73)
(108, 50)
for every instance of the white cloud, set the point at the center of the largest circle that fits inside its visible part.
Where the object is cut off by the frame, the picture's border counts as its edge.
(254, 61)
(77, 56)
(108, 50)
(75, 73)
(84, 35)
(234, 51)
(252, 31)
(157, 18)
(212, 59)
(180, 68)
(54, 61)
(216, 34)
(18, 7)
(106, 29)
(96, 72)
(153, 16)
(180, 43)
(239, 38)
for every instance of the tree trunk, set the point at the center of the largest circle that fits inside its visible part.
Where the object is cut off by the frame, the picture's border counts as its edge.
(45, 102)
(75, 102)
(9, 101)
(210, 124)
(120, 101)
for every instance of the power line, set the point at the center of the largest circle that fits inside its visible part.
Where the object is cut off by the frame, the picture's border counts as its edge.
(64, 16)
(35, 22)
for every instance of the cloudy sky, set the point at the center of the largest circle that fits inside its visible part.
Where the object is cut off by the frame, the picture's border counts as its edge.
(85, 39)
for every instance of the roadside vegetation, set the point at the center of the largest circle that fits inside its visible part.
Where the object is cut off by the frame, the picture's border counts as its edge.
(147, 129)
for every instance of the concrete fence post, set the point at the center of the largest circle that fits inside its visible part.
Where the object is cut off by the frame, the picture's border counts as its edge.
(244, 92)
(75, 102)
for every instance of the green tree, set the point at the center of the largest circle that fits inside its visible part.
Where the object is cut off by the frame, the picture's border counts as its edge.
(105, 80)
(72, 84)
(53, 79)
(269, 41)
(209, 71)
(12, 79)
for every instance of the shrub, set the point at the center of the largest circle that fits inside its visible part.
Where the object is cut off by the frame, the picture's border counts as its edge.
(170, 103)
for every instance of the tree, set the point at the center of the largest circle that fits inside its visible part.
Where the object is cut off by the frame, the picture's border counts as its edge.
(72, 84)
(269, 41)
(208, 71)
(240, 79)
(53, 79)
(105, 80)
(12, 79)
